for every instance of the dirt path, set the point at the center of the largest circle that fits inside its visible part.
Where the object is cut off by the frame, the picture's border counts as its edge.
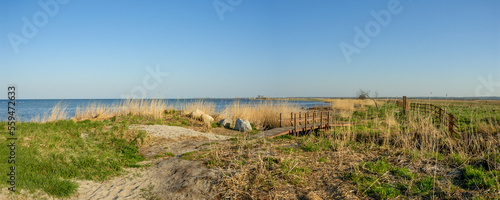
(172, 178)
(166, 178)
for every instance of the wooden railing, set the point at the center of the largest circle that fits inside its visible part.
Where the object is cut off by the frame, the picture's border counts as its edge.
(304, 121)
(442, 115)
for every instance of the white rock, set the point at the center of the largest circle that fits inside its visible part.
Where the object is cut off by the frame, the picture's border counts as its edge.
(243, 125)
(197, 114)
(207, 119)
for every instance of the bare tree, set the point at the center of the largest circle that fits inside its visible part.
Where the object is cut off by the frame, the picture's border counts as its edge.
(365, 94)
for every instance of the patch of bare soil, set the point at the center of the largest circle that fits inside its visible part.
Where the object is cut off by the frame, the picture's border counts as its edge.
(163, 178)
(172, 178)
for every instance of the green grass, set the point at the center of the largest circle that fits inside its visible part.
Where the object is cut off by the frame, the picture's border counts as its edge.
(378, 167)
(209, 143)
(313, 143)
(169, 154)
(425, 184)
(437, 156)
(189, 155)
(403, 173)
(50, 155)
(284, 137)
(371, 186)
(254, 130)
(479, 178)
(457, 159)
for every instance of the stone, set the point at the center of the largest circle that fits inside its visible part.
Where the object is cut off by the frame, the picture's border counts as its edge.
(197, 114)
(242, 125)
(207, 119)
(226, 122)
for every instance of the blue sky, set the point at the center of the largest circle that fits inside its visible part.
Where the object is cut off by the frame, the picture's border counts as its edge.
(280, 48)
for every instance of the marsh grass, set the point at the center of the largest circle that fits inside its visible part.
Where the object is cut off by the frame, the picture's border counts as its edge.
(263, 115)
(58, 112)
(404, 156)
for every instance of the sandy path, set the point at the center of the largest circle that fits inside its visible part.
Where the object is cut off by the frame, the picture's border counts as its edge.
(175, 132)
(165, 178)
(171, 178)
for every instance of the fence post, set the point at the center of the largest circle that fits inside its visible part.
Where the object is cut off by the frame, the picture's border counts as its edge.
(305, 121)
(314, 119)
(321, 119)
(291, 119)
(295, 125)
(328, 123)
(404, 105)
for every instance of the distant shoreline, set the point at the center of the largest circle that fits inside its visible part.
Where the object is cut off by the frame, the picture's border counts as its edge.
(283, 98)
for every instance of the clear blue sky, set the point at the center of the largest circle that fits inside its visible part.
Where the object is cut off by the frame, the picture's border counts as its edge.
(101, 49)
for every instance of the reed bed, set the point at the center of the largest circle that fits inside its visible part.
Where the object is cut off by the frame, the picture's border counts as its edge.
(350, 104)
(151, 108)
(58, 112)
(262, 115)
(206, 107)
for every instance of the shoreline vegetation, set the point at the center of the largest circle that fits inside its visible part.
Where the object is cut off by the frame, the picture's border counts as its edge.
(383, 154)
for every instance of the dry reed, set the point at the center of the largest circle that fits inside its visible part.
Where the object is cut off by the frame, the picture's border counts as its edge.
(206, 107)
(262, 115)
(58, 112)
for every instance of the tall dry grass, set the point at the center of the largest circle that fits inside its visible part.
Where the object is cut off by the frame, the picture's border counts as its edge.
(153, 108)
(206, 107)
(94, 110)
(262, 115)
(58, 112)
(347, 106)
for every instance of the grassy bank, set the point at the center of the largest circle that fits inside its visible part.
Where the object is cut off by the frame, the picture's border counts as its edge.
(97, 143)
(51, 155)
(382, 155)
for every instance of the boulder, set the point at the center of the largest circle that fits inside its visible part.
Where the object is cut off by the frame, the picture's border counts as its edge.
(197, 114)
(242, 125)
(226, 122)
(207, 119)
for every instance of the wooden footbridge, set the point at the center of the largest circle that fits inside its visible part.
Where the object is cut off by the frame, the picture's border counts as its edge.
(301, 122)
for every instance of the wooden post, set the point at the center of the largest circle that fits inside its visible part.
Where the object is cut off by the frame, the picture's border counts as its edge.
(328, 123)
(321, 121)
(314, 119)
(291, 119)
(305, 121)
(280, 120)
(404, 105)
(295, 125)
